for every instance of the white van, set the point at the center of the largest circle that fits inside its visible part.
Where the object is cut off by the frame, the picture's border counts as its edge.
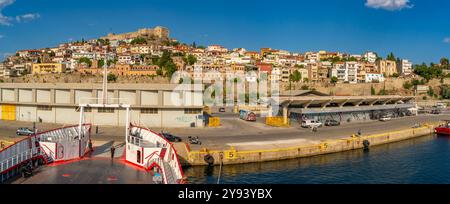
(311, 124)
(441, 106)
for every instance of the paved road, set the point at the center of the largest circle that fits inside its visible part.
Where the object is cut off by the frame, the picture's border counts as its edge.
(235, 131)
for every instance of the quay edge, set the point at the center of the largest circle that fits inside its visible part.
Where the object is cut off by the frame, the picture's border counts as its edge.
(233, 156)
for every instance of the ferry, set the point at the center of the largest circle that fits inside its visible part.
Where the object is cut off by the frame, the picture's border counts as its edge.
(443, 130)
(71, 148)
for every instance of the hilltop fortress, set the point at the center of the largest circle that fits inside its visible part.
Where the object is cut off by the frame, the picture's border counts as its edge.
(159, 32)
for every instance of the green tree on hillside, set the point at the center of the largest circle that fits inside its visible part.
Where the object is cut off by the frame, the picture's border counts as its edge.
(445, 63)
(428, 72)
(296, 76)
(167, 65)
(112, 77)
(334, 80)
(138, 41)
(100, 63)
(391, 57)
(190, 60)
(85, 60)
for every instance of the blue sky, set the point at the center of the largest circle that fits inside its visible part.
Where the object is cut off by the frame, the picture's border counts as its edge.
(414, 29)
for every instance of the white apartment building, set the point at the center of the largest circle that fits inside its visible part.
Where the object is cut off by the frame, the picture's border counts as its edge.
(339, 71)
(216, 48)
(285, 74)
(276, 74)
(236, 58)
(312, 56)
(89, 55)
(405, 67)
(374, 77)
(351, 72)
(125, 59)
(371, 57)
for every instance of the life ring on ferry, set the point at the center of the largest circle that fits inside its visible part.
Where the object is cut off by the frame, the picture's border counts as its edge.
(209, 159)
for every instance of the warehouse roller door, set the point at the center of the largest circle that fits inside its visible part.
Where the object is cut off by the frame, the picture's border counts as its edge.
(8, 112)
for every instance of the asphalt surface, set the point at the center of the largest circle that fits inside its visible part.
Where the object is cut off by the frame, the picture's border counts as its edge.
(234, 131)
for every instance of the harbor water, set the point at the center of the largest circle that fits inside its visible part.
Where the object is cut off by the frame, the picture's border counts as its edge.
(424, 160)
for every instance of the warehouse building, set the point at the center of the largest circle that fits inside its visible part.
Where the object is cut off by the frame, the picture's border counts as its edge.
(152, 105)
(312, 105)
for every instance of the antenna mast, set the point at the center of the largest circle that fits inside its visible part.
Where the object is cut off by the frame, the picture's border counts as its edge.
(105, 79)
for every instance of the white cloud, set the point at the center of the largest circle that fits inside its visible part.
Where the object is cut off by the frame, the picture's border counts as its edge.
(390, 5)
(7, 20)
(27, 17)
(447, 40)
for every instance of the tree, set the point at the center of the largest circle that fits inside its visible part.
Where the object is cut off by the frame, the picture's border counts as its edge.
(430, 91)
(391, 57)
(428, 72)
(159, 72)
(296, 76)
(445, 91)
(85, 60)
(334, 80)
(166, 63)
(372, 91)
(408, 85)
(138, 41)
(395, 75)
(382, 92)
(444, 63)
(100, 63)
(190, 59)
(103, 41)
(112, 77)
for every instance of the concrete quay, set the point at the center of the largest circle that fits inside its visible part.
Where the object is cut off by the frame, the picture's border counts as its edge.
(244, 142)
(298, 149)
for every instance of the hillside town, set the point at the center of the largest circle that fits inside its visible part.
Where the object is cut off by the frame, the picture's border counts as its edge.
(151, 52)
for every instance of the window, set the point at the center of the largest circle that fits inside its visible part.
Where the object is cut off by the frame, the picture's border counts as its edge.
(44, 108)
(149, 111)
(192, 111)
(86, 109)
(106, 110)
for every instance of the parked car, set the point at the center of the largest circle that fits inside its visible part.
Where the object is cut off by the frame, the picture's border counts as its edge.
(332, 123)
(385, 118)
(24, 131)
(170, 137)
(194, 140)
(436, 112)
(222, 110)
(311, 124)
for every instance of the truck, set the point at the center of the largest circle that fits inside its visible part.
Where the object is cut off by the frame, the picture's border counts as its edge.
(247, 115)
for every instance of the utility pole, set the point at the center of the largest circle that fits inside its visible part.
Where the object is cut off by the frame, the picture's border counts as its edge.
(105, 79)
